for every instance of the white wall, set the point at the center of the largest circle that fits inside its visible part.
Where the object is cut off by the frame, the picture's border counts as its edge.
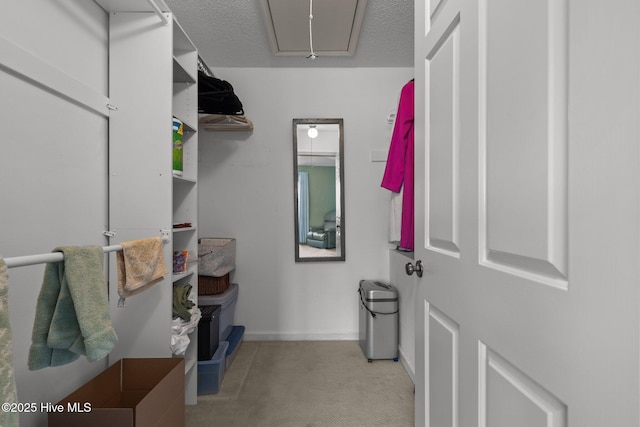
(53, 166)
(407, 292)
(246, 192)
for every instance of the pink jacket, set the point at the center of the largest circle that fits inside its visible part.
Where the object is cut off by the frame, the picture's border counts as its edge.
(399, 168)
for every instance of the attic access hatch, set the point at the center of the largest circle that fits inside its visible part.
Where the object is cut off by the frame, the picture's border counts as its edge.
(336, 26)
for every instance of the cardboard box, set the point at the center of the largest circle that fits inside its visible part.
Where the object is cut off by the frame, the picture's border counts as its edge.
(130, 393)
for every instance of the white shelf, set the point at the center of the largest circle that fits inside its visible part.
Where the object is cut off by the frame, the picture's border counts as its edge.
(187, 126)
(183, 179)
(180, 73)
(179, 276)
(190, 271)
(184, 230)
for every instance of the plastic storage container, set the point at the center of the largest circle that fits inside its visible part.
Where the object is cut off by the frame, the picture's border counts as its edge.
(208, 331)
(211, 372)
(235, 337)
(378, 320)
(227, 300)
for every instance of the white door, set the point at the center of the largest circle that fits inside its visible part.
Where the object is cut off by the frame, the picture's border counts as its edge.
(527, 212)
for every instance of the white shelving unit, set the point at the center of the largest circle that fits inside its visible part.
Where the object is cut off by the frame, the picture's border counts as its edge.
(152, 78)
(185, 187)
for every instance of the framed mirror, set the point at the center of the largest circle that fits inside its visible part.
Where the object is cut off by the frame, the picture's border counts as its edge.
(318, 189)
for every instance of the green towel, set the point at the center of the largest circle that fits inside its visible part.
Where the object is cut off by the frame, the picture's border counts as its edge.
(72, 311)
(181, 302)
(7, 381)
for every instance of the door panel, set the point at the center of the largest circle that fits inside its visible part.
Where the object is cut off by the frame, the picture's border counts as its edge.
(523, 138)
(527, 213)
(442, 79)
(443, 354)
(507, 397)
(434, 6)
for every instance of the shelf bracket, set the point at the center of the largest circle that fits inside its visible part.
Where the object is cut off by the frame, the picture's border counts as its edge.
(165, 235)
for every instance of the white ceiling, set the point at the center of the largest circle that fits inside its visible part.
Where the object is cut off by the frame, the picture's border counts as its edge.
(233, 33)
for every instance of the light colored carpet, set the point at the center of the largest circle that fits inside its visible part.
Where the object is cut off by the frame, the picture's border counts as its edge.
(307, 384)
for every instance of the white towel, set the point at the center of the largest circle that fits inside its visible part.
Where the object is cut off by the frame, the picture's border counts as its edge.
(395, 217)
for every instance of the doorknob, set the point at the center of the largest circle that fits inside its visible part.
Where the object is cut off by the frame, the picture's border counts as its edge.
(410, 268)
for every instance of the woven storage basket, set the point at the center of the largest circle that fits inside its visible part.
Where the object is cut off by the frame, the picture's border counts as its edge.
(216, 256)
(210, 285)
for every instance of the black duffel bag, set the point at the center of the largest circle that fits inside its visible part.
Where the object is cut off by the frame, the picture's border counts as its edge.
(216, 96)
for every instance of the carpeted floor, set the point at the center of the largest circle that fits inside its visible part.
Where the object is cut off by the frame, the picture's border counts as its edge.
(307, 384)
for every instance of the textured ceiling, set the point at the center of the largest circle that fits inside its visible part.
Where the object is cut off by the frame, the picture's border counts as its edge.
(233, 34)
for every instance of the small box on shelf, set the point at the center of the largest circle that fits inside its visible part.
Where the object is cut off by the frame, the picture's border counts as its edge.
(178, 131)
(180, 260)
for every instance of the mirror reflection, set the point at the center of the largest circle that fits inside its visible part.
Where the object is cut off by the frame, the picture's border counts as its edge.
(318, 189)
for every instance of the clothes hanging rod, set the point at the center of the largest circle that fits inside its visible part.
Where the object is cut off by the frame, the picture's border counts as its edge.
(22, 261)
(155, 7)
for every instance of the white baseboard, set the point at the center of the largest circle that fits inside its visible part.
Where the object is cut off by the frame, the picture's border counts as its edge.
(273, 336)
(408, 366)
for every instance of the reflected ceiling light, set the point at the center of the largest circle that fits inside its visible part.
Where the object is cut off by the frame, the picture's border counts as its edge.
(312, 132)
(311, 55)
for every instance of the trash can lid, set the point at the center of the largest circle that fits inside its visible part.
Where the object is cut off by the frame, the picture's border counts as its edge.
(374, 290)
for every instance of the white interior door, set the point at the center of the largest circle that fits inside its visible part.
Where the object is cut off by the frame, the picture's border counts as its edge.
(527, 194)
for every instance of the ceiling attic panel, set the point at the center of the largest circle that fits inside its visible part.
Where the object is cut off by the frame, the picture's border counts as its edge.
(336, 25)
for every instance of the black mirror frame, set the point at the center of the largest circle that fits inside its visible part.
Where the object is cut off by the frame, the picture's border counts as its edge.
(341, 225)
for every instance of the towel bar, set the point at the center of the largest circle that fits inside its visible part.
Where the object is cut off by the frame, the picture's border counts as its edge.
(21, 261)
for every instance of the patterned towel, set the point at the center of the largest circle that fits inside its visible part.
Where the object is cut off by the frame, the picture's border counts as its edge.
(140, 266)
(7, 381)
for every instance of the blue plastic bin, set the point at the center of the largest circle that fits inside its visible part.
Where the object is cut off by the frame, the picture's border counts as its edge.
(237, 332)
(211, 372)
